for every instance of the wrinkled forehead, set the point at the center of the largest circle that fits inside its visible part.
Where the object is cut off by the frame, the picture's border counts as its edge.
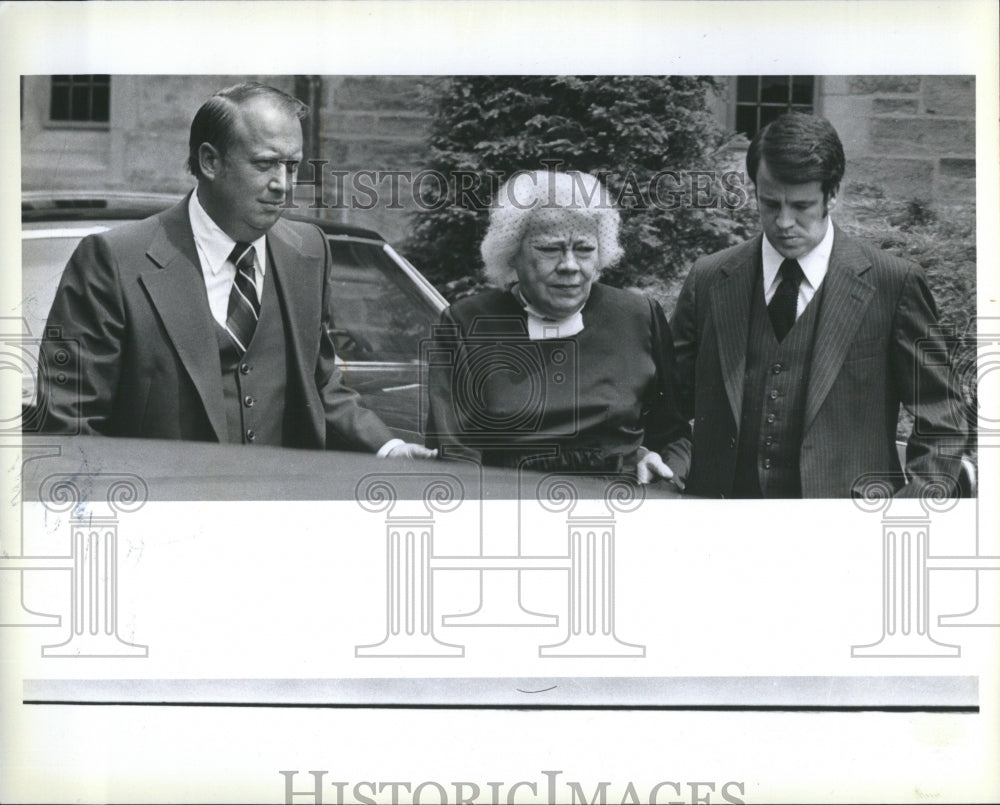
(561, 222)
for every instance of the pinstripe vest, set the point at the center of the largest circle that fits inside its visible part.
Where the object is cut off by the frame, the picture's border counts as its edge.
(774, 396)
(254, 386)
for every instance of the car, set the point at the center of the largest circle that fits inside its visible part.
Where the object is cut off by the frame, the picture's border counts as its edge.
(383, 306)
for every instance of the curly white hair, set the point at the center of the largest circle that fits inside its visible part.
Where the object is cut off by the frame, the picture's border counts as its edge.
(528, 191)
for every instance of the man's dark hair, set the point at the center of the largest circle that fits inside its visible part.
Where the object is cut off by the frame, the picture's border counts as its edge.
(215, 121)
(799, 148)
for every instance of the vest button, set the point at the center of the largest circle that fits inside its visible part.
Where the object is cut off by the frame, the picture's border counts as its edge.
(774, 394)
(251, 435)
(248, 401)
(776, 368)
(770, 419)
(767, 463)
(732, 441)
(245, 368)
(768, 441)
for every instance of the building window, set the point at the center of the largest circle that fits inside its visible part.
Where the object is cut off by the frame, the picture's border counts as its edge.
(80, 99)
(762, 98)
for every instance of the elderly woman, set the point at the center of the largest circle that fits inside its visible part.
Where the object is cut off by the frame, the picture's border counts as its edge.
(552, 370)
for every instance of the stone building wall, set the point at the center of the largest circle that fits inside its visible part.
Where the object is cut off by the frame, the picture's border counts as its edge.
(365, 123)
(911, 137)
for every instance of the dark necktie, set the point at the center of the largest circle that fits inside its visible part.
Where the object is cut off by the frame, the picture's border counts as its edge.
(244, 307)
(785, 299)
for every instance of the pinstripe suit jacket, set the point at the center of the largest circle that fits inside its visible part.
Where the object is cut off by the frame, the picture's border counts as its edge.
(876, 319)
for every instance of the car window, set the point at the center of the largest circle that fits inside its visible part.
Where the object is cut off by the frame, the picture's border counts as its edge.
(378, 313)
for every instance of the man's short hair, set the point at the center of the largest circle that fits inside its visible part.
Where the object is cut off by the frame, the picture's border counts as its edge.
(215, 122)
(799, 148)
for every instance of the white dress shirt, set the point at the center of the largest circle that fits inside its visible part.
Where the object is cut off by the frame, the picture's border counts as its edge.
(214, 247)
(814, 265)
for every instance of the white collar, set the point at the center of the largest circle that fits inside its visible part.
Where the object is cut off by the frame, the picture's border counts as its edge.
(814, 264)
(541, 327)
(214, 244)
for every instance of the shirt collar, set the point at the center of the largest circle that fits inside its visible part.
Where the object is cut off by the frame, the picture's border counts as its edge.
(214, 245)
(814, 264)
(540, 326)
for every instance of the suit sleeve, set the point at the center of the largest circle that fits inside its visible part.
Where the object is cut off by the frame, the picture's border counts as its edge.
(81, 351)
(666, 429)
(928, 389)
(443, 427)
(348, 424)
(684, 327)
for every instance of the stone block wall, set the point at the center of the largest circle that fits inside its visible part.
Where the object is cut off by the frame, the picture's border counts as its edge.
(912, 137)
(364, 123)
(370, 124)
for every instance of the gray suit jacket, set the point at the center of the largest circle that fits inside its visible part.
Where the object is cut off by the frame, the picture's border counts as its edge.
(876, 326)
(132, 309)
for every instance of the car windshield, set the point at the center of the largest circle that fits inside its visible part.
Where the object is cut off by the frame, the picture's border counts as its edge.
(378, 313)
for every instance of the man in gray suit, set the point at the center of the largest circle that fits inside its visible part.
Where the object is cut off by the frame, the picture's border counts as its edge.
(796, 348)
(210, 321)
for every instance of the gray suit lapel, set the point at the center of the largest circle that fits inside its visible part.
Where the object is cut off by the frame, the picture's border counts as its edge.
(177, 291)
(846, 295)
(731, 298)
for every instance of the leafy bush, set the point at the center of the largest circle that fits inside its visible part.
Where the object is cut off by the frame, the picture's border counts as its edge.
(627, 130)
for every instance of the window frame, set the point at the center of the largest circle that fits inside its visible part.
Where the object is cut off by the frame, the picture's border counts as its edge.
(85, 125)
(735, 103)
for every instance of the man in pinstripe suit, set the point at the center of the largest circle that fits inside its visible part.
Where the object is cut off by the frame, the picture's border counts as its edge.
(796, 348)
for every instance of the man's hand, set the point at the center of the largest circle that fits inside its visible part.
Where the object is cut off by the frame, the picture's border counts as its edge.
(651, 467)
(411, 450)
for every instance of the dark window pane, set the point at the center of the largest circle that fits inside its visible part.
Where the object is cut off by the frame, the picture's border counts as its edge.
(774, 89)
(377, 313)
(746, 120)
(59, 107)
(101, 105)
(79, 106)
(802, 89)
(769, 113)
(746, 88)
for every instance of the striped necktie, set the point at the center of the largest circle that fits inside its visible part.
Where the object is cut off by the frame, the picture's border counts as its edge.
(784, 303)
(244, 307)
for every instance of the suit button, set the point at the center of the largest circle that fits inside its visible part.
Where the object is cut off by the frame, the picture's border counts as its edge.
(774, 394)
(732, 441)
(248, 401)
(776, 368)
(245, 368)
(767, 463)
(768, 441)
(770, 419)
(251, 435)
